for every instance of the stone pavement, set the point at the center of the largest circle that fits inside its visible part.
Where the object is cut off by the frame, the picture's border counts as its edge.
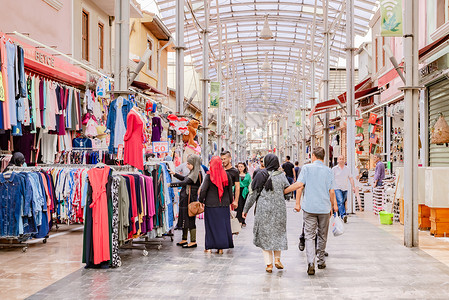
(364, 263)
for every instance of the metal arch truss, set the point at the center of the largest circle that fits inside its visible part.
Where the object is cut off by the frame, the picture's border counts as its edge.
(298, 28)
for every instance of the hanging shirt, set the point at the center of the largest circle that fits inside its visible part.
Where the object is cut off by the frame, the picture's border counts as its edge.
(120, 128)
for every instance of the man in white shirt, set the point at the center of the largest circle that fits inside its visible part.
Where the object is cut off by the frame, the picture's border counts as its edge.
(342, 178)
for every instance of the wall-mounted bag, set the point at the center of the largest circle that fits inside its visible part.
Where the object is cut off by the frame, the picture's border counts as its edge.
(440, 131)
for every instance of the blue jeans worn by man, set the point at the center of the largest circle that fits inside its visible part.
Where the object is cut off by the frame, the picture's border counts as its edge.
(341, 200)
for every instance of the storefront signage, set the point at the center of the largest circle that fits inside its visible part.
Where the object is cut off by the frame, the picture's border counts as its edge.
(45, 59)
(428, 69)
(161, 147)
(298, 117)
(40, 61)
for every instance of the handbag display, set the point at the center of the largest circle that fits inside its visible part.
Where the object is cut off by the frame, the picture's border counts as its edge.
(440, 131)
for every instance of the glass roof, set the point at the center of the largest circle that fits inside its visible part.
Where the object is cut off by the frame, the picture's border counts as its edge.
(297, 27)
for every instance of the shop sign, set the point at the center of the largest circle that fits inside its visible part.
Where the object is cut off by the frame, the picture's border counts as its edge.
(161, 147)
(42, 62)
(45, 59)
(428, 69)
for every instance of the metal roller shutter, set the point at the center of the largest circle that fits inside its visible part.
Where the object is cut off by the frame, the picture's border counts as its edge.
(438, 103)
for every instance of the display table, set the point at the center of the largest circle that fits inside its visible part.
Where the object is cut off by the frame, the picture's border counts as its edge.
(437, 198)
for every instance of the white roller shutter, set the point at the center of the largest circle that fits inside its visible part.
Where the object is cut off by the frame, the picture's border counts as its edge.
(438, 103)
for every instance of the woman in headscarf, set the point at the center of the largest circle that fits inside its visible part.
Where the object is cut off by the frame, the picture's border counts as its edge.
(270, 232)
(216, 194)
(189, 193)
(245, 181)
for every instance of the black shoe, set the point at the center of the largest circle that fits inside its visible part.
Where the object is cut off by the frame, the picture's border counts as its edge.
(302, 245)
(187, 246)
(326, 254)
(322, 266)
(311, 270)
(181, 244)
(345, 219)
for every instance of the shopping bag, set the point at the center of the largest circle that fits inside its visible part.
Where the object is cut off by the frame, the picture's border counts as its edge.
(337, 225)
(235, 224)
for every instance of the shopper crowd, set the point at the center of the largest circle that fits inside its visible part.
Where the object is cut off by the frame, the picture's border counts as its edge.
(227, 193)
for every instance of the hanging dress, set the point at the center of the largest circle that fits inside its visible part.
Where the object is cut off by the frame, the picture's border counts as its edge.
(100, 228)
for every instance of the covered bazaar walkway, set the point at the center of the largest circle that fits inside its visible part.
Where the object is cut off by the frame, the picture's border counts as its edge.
(367, 262)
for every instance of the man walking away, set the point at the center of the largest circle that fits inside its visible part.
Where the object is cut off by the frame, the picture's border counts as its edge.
(288, 168)
(342, 176)
(317, 181)
(297, 169)
(226, 160)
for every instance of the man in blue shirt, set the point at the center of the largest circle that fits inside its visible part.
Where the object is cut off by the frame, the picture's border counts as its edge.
(317, 181)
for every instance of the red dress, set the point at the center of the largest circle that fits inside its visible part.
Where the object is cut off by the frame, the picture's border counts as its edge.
(100, 228)
(134, 137)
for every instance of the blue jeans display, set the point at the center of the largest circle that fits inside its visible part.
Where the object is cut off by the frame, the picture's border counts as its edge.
(341, 200)
(11, 199)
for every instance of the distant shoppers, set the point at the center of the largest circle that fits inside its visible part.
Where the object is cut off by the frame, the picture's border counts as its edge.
(216, 194)
(270, 224)
(297, 169)
(379, 174)
(226, 160)
(189, 193)
(288, 168)
(245, 181)
(342, 178)
(261, 166)
(317, 181)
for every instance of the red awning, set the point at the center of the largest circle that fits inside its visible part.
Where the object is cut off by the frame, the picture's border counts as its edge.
(427, 49)
(330, 104)
(41, 62)
(146, 87)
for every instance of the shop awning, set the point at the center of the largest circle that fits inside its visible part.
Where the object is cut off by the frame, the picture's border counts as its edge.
(146, 87)
(333, 105)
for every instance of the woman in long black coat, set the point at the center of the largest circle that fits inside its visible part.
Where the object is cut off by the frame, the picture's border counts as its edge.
(189, 193)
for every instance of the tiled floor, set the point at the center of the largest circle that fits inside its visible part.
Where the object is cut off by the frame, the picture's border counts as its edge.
(367, 262)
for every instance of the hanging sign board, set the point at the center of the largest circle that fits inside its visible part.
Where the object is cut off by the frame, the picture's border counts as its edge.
(242, 129)
(298, 117)
(161, 147)
(214, 94)
(391, 17)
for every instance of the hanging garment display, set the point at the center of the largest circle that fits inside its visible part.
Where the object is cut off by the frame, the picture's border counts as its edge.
(156, 129)
(134, 139)
(116, 123)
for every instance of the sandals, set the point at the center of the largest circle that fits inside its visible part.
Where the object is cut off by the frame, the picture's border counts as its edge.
(269, 268)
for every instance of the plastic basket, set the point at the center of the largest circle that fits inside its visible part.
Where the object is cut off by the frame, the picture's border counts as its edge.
(386, 218)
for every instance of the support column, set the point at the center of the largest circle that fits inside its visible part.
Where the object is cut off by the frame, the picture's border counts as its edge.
(303, 120)
(313, 98)
(121, 45)
(411, 98)
(350, 127)
(205, 80)
(180, 47)
(326, 79)
(226, 111)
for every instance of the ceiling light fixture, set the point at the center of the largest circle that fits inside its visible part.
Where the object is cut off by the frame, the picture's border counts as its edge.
(265, 84)
(266, 33)
(266, 65)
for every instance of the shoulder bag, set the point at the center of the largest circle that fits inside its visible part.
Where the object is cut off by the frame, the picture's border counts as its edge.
(196, 207)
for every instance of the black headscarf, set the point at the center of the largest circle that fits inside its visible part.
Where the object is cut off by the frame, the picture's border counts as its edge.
(271, 163)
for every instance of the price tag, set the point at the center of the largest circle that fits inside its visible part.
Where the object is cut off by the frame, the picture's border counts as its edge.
(160, 147)
(120, 152)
